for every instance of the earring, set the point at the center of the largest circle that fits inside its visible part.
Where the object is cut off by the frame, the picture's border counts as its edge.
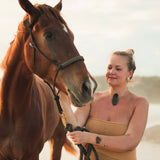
(128, 79)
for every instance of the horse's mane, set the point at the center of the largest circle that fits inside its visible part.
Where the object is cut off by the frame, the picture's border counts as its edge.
(15, 43)
(23, 31)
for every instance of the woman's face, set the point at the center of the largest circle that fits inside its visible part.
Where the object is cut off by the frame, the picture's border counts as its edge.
(117, 71)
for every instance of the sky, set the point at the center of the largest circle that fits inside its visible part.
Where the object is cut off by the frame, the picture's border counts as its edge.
(100, 27)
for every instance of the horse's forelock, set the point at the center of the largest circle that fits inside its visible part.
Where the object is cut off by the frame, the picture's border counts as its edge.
(50, 11)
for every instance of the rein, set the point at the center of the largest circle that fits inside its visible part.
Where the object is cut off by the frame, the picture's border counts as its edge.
(68, 127)
(60, 67)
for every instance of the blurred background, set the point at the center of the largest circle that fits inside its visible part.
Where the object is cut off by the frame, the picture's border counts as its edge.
(101, 27)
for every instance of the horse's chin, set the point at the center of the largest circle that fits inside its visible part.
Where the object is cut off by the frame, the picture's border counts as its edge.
(76, 101)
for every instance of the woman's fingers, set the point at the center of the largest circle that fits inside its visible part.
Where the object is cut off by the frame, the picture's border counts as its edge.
(77, 136)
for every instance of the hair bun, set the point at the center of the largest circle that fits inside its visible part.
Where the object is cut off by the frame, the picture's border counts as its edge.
(130, 51)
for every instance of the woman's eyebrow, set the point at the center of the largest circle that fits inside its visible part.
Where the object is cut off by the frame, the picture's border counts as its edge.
(119, 65)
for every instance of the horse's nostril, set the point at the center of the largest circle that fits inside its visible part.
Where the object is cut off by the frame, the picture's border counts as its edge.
(86, 88)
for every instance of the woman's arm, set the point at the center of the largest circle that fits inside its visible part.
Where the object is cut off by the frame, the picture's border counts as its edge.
(77, 118)
(123, 143)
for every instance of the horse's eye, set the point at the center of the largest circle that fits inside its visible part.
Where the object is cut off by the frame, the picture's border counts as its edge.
(49, 36)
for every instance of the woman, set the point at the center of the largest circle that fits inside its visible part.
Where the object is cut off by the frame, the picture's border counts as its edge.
(116, 118)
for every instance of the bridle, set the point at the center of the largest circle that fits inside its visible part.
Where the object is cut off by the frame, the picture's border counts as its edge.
(60, 66)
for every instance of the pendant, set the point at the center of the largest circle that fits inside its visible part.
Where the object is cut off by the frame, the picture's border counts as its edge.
(115, 99)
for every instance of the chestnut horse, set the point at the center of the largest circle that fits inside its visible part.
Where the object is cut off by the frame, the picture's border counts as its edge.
(28, 112)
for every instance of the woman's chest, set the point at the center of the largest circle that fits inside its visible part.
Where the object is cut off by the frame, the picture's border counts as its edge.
(104, 110)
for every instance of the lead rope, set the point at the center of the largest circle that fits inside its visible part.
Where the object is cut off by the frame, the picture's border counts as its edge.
(59, 67)
(68, 127)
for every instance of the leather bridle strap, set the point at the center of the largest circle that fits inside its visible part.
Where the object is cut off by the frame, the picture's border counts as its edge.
(70, 61)
(34, 45)
(56, 96)
(59, 66)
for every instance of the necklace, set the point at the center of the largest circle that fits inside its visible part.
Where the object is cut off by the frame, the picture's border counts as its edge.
(115, 99)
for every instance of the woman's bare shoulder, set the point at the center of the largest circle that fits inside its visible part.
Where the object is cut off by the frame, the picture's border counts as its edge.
(140, 100)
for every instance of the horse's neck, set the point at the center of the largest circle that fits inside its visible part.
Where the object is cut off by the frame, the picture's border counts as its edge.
(15, 85)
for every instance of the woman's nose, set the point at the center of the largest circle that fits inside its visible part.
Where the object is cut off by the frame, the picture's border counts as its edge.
(112, 71)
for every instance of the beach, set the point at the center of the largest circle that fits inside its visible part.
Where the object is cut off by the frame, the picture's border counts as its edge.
(148, 148)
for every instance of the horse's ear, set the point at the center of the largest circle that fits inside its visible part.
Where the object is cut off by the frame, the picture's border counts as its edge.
(59, 6)
(28, 7)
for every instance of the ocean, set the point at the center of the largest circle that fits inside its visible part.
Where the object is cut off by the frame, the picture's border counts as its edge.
(146, 150)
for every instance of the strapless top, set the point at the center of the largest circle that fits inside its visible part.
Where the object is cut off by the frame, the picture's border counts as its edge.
(111, 129)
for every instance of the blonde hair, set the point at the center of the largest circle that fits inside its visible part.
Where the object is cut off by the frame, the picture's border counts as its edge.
(130, 59)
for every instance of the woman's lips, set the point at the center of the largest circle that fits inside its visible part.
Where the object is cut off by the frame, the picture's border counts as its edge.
(112, 78)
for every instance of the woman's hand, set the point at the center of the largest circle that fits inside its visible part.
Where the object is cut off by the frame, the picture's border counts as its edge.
(78, 137)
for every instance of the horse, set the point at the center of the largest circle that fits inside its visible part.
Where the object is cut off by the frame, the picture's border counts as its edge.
(42, 50)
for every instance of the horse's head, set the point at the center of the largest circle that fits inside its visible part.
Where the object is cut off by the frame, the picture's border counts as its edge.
(51, 54)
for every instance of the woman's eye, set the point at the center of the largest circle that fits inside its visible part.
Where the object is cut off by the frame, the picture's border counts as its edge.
(49, 36)
(109, 68)
(118, 69)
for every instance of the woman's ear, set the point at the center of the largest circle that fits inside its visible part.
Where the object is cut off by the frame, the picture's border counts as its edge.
(130, 74)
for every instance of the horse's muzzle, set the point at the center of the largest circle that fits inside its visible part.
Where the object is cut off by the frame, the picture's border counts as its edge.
(85, 94)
